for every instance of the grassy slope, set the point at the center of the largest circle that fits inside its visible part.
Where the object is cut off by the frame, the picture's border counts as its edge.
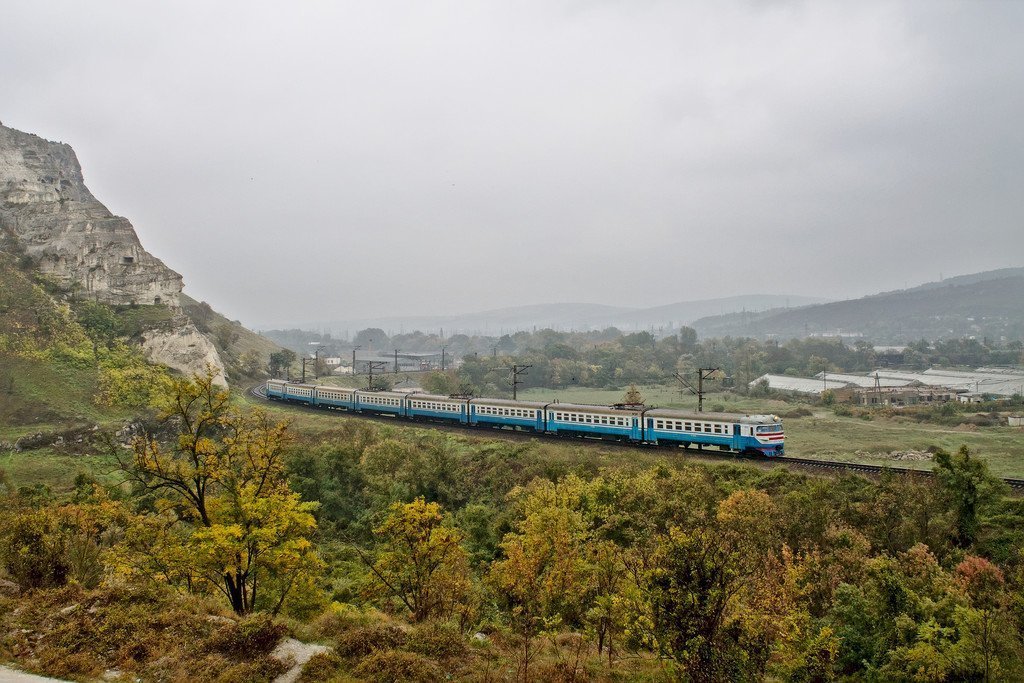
(41, 396)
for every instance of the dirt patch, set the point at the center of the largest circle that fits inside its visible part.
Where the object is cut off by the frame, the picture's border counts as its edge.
(904, 456)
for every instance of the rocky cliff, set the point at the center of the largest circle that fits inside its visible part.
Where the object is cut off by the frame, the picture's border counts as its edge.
(49, 216)
(72, 237)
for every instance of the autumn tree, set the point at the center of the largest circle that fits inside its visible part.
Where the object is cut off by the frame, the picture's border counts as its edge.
(969, 488)
(228, 520)
(716, 592)
(423, 564)
(990, 644)
(544, 579)
(633, 396)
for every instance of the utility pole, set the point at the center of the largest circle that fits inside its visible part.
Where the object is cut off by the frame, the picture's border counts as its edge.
(304, 361)
(494, 351)
(703, 374)
(374, 365)
(396, 361)
(513, 378)
(354, 349)
(442, 357)
(316, 364)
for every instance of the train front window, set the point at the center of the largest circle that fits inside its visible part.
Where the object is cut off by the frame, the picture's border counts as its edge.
(768, 429)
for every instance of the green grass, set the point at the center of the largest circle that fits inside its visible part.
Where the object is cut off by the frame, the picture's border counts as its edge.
(850, 439)
(41, 396)
(57, 470)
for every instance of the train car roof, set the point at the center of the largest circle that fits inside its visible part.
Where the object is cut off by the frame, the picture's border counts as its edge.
(433, 397)
(485, 401)
(299, 384)
(586, 408)
(389, 394)
(722, 417)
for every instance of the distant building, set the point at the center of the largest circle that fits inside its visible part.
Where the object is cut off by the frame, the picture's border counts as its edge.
(903, 396)
(332, 362)
(1015, 420)
(798, 385)
(407, 362)
(883, 386)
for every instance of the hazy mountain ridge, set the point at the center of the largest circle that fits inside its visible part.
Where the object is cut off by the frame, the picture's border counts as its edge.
(562, 316)
(980, 304)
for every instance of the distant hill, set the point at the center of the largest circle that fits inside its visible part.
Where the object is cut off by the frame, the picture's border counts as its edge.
(567, 316)
(982, 304)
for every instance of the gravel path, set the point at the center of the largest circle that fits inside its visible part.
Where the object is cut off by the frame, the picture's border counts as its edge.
(8, 675)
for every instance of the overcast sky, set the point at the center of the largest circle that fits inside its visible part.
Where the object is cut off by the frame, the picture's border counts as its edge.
(302, 161)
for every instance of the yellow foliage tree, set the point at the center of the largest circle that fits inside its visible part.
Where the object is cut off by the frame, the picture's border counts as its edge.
(423, 563)
(227, 520)
(633, 396)
(545, 577)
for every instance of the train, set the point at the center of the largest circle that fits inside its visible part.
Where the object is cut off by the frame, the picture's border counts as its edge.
(761, 435)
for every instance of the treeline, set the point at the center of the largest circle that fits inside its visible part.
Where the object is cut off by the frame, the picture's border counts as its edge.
(612, 359)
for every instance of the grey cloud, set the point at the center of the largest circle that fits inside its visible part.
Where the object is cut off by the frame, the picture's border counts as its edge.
(321, 160)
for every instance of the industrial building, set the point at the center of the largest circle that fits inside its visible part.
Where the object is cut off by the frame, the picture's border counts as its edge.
(884, 386)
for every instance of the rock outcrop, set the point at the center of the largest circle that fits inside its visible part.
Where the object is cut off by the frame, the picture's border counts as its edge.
(185, 349)
(50, 216)
(47, 209)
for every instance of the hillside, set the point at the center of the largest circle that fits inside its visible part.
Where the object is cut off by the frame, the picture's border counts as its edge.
(983, 304)
(244, 352)
(41, 390)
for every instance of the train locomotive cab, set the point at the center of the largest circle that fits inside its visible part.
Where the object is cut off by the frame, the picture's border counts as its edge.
(762, 435)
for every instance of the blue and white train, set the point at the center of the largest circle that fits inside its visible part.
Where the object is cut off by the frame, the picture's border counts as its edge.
(756, 434)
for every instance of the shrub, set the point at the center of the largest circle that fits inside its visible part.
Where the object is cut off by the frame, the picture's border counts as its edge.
(389, 666)
(32, 549)
(254, 635)
(320, 667)
(437, 640)
(362, 641)
(337, 619)
(263, 668)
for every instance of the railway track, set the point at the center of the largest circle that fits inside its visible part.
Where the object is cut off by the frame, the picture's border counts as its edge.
(809, 464)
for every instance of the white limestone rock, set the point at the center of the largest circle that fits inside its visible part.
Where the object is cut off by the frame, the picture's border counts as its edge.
(184, 349)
